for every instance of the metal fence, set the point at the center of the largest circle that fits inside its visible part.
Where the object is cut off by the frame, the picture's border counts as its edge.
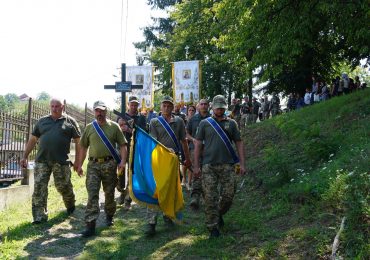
(16, 127)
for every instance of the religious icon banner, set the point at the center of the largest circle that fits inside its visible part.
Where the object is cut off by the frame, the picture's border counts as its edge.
(186, 81)
(141, 75)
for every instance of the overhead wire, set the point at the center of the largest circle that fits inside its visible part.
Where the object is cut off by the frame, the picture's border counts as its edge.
(123, 35)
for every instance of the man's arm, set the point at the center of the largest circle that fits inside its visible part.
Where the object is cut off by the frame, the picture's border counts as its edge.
(240, 148)
(77, 153)
(29, 147)
(81, 158)
(123, 153)
(185, 148)
(197, 149)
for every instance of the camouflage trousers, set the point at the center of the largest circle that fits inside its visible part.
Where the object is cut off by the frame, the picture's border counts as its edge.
(63, 184)
(97, 174)
(219, 187)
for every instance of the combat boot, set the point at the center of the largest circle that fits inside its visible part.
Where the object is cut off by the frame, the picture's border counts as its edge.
(109, 220)
(121, 198)
(71, 210)
(194, 203)
(221, 222)
(215, 233)
(150, 230)
(90, 229)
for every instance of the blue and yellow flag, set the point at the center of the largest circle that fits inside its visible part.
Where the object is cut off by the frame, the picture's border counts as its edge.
(154, 176)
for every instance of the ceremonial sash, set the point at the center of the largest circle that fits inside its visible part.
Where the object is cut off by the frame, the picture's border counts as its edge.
(225, 139)
(106, 141)
(170, 132)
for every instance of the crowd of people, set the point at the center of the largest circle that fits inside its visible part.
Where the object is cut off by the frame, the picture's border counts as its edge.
(210, 144)
(206, 135)
(322, 91)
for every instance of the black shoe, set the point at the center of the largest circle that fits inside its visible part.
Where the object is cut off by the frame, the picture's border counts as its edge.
(109, 220)
(221, 222)
(71, 210)
(90, 229)
(38, 222)
(150, 230)
(214, 233)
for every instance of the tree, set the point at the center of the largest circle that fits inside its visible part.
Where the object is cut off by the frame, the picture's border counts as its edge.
(43, 96)
(11, 99)
(245, 42)
(3, 103)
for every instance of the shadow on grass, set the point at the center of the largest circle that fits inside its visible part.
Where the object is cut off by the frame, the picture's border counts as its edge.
(59, 237)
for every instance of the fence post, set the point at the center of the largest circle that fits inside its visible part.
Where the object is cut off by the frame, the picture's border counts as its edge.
(29, 119)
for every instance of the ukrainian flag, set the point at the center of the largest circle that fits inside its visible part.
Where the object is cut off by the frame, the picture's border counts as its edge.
(154, 176)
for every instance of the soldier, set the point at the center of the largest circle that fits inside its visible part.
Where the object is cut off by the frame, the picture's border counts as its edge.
(218, 160)
(191, 130)
(255, 109)
(275, 105)
(245, 112)
(158, 131)
(54, 133)
(132, 118)
(266, 108)
(102, 167)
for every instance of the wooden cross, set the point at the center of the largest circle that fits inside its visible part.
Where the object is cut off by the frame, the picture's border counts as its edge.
(123, 86)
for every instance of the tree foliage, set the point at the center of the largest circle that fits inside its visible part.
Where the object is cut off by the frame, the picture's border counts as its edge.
(43, 96)
(282, 42)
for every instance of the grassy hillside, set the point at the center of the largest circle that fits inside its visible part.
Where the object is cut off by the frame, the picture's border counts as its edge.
(310, 168)
(307, 170)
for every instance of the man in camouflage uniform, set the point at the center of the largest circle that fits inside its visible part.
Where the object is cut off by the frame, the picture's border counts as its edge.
(191, 130)
(274, 105)
(217, 165)
(102, 168)
(245, 112)
(255, 109)
(160, 133)
(54, 133)
(132, 118)
(266, 108)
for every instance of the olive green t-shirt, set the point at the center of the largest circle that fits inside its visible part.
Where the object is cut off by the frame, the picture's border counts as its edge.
(215, 151)
(160, 134)
(91, 139)
(55, 138)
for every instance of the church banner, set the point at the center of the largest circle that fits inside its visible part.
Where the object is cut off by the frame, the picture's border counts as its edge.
(141, 75)
(186, 81)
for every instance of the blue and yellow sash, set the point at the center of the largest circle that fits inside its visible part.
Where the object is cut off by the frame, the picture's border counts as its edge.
(170, 132)
(106, 141)
(221, 133)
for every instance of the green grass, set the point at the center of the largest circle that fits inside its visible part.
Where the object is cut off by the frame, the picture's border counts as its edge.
(307, 170)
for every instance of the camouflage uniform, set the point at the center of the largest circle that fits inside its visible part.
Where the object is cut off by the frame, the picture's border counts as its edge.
(217, 203)
(191, 128)
(101, 169)
(274, 105)
(52, 157)
(106, 174)
(63, 184)
(217, 170)
(160, 134)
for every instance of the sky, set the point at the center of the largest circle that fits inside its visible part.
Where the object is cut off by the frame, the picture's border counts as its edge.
(68, 48)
